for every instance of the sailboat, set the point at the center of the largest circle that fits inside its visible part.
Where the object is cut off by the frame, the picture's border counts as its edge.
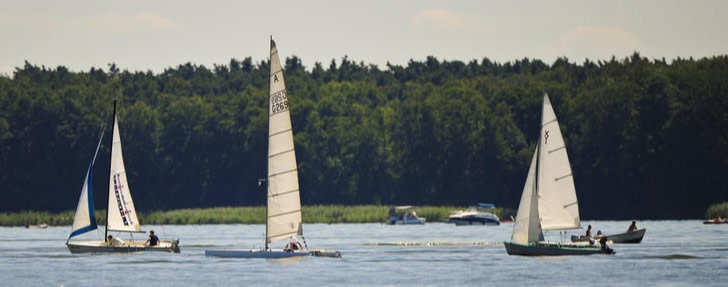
(283, 208)
(549, 199)
(120, 212)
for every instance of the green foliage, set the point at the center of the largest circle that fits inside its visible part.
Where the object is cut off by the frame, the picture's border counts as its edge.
(243, 215)
(641, 134)
(716, 210)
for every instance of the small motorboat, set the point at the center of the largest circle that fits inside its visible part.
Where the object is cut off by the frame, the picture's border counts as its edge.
(405, 217)
(475, 215)
(627, 237)
(716, 220)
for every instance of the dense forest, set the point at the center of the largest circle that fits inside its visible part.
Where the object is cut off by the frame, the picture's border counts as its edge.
(647, 139)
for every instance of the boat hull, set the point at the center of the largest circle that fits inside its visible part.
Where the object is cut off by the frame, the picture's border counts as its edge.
(127, 247)
(409, 221)
(270, 254)
(474, 220)
(627, 237)
(549, 249)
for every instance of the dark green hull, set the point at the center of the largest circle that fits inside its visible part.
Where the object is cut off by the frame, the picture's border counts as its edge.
(550, 249)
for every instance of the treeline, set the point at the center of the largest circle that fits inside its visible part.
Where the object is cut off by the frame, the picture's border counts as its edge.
(646, 138)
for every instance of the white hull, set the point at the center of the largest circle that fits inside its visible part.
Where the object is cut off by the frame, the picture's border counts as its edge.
(126, 247)
(474, 218)
(396, 221)
(270, 254)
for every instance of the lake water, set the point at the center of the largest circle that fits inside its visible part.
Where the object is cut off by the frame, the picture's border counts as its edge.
(673, 253)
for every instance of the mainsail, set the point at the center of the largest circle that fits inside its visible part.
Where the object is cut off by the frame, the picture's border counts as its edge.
(85, 218)
(558, 207)
(549, 200)
(284, 201)
(121, 213)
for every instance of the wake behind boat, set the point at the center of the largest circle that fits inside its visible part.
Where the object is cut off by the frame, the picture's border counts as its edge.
(548, 201)
(120, 212)
(283, 208)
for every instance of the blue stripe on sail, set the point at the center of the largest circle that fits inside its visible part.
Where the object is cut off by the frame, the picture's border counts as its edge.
(91, 215)
(82, 230)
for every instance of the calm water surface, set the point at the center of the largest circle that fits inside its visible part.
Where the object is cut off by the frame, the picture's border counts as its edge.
(673, 253)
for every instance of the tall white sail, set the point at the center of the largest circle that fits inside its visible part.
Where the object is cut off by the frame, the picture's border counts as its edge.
(121, 214)
(284, 201)
(85, 218)
(527, 227)
(558, 207)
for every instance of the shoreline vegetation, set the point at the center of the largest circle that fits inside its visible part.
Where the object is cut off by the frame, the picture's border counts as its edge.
(716, 210)
(244, 215)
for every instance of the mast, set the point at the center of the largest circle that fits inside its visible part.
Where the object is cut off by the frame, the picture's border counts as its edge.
(108, 182)
(267, 166)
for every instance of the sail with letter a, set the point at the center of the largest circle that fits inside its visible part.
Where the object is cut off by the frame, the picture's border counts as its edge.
(284, 201)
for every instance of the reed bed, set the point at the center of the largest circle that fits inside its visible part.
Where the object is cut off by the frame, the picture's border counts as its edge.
(243, 215)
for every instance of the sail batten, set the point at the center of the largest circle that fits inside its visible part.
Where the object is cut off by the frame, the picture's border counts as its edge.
(284, 200)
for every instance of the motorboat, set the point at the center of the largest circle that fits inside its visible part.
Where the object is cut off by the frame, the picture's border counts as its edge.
(475, 215)
(400, 215)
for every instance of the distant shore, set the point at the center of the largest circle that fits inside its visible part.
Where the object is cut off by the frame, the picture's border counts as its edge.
(717, 210)
(243, 215)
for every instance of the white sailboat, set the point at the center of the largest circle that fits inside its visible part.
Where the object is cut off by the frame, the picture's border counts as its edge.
(120, 212)
(549, 199)
(283, 213)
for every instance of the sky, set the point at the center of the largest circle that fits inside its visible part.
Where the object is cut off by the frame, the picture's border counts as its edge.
(156, 35)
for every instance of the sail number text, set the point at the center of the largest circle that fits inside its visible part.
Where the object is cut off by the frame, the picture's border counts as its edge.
(278, 102)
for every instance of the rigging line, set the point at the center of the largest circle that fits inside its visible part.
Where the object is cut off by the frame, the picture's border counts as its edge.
(285, 213)
(283, 193)
(570, 204)
(277, 133)
(283, 172)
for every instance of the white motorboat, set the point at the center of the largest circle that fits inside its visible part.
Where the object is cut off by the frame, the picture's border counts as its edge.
(400, 215)
(475, 215)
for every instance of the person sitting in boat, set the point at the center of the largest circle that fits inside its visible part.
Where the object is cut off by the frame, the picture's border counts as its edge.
(292, 245)
(114, 241)
(633, 227)
(588, 232)
(605, 248)
(153, 239)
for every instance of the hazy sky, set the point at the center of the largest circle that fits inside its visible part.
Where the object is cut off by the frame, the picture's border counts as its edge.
(154, 35)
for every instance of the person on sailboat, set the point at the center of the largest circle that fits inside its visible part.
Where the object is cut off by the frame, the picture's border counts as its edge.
(588, 232)
(153, 239)
(633, 227)
(292, 245)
